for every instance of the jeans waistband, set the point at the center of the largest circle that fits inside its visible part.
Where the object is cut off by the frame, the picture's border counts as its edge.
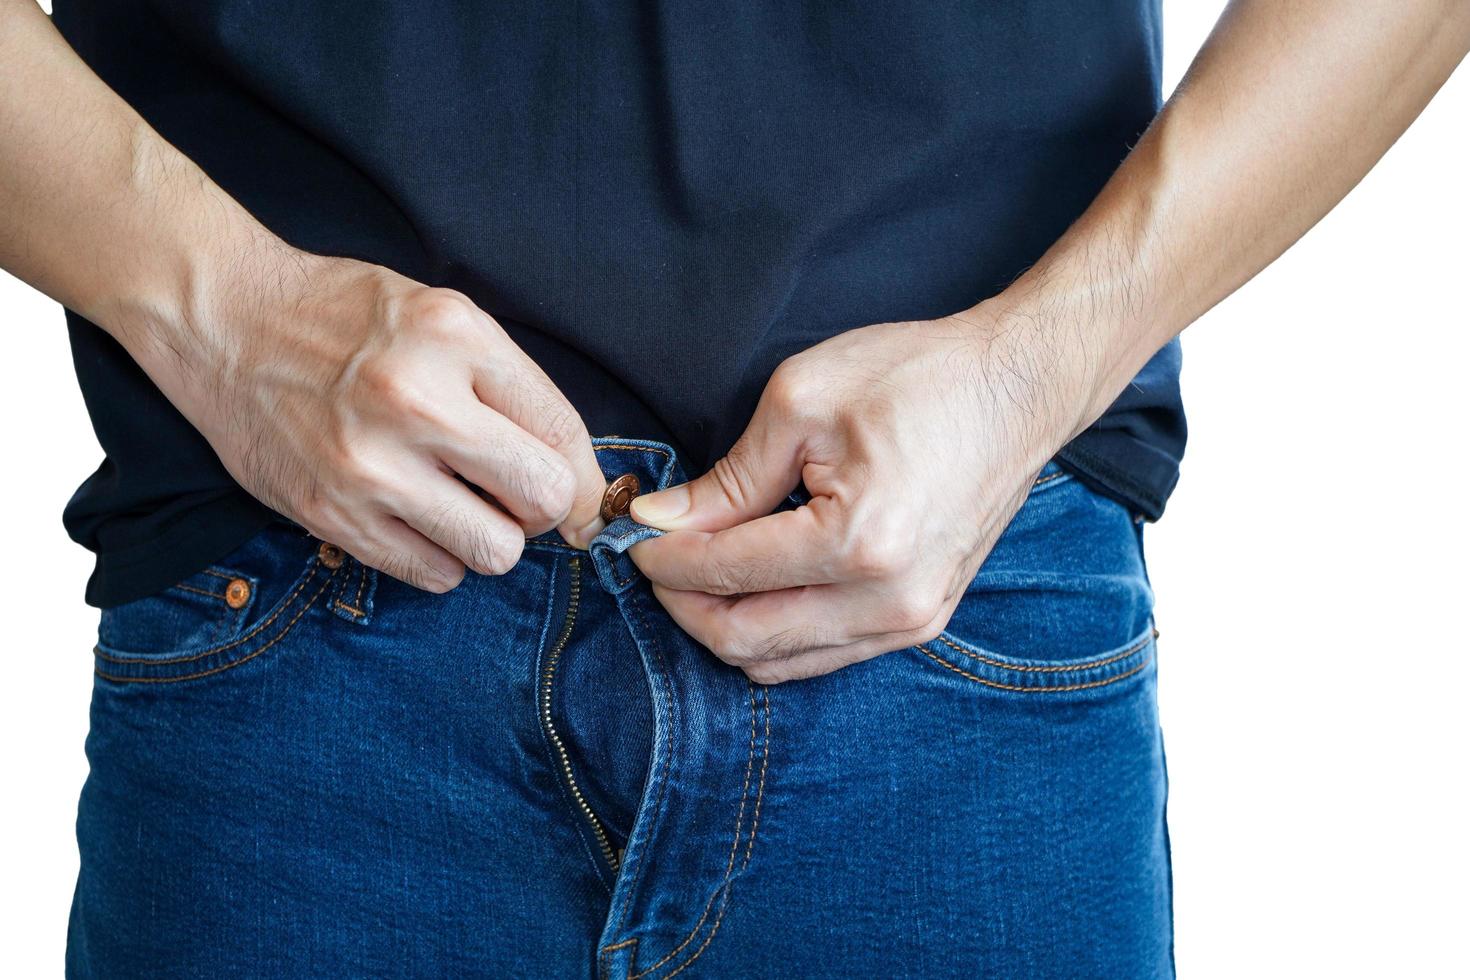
(656, 466)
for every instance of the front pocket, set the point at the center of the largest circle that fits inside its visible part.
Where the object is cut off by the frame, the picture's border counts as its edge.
(255, 635)
(1004, 673)
(209, 608)
(1062, 603)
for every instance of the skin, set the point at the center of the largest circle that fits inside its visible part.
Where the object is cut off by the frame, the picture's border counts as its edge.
(919, 441)
(346, 396)
(340, 393)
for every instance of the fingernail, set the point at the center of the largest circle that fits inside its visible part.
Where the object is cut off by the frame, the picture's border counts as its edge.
(662, 509)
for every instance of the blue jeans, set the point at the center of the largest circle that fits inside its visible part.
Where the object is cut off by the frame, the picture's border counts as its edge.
(300, 768)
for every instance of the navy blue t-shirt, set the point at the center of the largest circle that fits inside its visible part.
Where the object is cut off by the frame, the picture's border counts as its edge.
(658, 200)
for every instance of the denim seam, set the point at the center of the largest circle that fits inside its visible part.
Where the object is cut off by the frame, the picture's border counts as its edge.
(1051, 668)
(750, 844)
(233, 663)
(668, 456)
(637, 875)
(1049, 478)
(204, 592)
(720, 891)
(1031, 688)
(233, 643)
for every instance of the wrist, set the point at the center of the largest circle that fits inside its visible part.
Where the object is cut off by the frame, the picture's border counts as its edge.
(212, 312)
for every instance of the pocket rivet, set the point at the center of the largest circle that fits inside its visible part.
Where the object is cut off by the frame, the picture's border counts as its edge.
(237, 593)
(330, 555)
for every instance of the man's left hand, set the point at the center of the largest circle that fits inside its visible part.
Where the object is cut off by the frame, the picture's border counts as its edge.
(917, 442)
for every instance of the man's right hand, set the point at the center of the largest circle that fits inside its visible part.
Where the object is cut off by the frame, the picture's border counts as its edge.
(341, 394)
(352, 400)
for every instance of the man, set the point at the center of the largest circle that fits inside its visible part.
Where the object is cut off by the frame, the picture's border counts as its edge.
(351, 287)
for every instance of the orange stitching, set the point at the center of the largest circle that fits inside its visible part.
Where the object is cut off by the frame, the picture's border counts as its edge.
(618, 445)
(223, 647)
(1049, 668)
(204, 592)
(707, 939)
(614, 946)
(668, 756)
(352, 609)
(210, 571)
(755, 824)
(1026, 689)
(754, 829)
(1050, 477)
(234, 663)
(734, 845)
(361, 584)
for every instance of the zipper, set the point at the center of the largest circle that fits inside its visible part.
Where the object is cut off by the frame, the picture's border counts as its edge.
(548, 678)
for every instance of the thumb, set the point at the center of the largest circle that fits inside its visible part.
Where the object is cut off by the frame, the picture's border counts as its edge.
(761, 468)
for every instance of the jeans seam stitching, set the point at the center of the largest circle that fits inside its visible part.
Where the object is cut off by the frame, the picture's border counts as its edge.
(637, 875)
(734, 847)
(204, 592)
(233, 663)
(224, 646)
(1031, 688)
(1052, 668)
(749, 847)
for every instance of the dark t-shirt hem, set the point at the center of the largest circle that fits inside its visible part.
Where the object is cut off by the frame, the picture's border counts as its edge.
(198, 538)
(1144, 486)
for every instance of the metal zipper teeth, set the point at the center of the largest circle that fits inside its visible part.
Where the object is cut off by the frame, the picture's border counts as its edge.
(547, 676)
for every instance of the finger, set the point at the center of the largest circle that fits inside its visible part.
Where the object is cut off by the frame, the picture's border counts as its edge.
(779, 636)
(452, 516)
(394, 548)
(749, 481)
(783, 550)
(516, 387)
(524, 476)
(767, 626)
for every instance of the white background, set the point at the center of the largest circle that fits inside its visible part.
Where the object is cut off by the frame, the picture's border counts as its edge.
(1311, 581)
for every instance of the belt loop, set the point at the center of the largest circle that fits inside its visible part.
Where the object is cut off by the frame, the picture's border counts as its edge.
(356, 586)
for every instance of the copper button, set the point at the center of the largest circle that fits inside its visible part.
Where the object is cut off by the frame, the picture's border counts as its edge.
(618, 496)
(237, 593)
(330, 555)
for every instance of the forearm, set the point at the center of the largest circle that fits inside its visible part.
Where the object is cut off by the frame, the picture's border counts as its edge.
(1284, 110)
(102, 214)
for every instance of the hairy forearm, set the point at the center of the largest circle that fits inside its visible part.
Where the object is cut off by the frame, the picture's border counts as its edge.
(104, 215)
(1285, 109)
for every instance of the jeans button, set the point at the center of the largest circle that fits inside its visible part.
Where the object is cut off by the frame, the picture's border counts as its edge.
(618, 496)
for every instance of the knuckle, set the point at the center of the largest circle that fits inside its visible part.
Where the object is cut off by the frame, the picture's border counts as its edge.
(730, 650)
(911, 610)
(792, 391)
(390, 387)
(717, 577)
(560, 424)
(544, 487)
(439, 582)
(419, 573)
(929, 631)
(879, 552)
(767, 674)
(478, 543)
(497, 554)
(442, 315)
(732, 474)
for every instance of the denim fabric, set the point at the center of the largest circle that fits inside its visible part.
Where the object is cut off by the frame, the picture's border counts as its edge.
(541, 775)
